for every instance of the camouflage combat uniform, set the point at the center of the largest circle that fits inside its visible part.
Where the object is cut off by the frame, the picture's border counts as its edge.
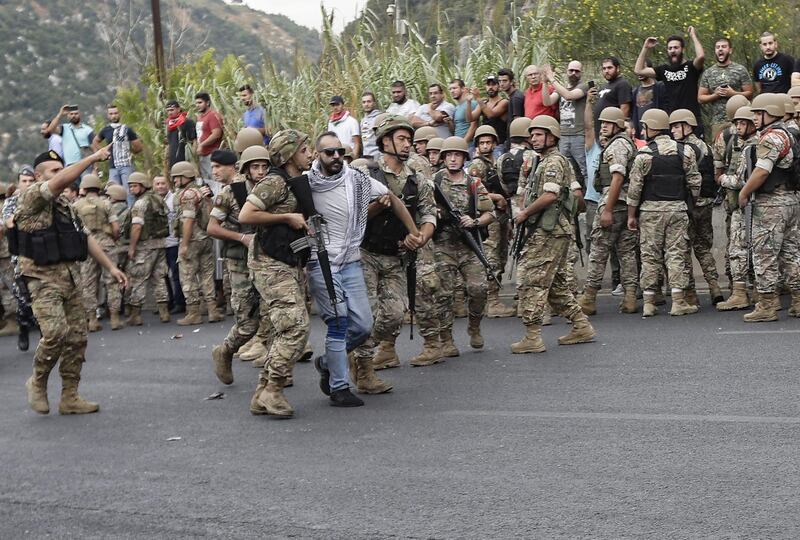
(726, 149)
(6, 275)
(197, 267)
(148, 268)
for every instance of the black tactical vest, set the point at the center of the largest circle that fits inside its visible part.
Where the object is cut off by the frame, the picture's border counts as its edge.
(784, 177)
(275, 240)
(603, 176)
(232, 249)
(708, 186)
(385, 230)
(666, 180)
(63, 241)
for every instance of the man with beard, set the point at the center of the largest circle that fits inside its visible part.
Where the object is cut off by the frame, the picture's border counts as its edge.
(370, 107)
(493, 109)
(342, 195)
(124, 143)
(181, 131)
(254, 115)
(571, 105)
(401, 104)
(720, 82)
(76, 137)
(209, 132)
(773, 71)
(680, 76)
(615, 93)
(650, 94)
(516, 99)
(437, 113)
(464, 126)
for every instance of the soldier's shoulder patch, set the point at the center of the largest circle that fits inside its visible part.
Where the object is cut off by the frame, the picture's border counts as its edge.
(218, 200)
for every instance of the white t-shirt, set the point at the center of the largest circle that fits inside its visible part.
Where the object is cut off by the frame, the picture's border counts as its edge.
(443, 131)
(346, 129)
(409, 107)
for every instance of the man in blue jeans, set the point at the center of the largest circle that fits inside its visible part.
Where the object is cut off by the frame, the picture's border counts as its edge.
(345, 197)
(125, 143)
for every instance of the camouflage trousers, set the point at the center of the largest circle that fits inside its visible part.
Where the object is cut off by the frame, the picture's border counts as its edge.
(738, 254)
(197, 272)
(7, 300)
(730, 204)
(428, 292)
(701, 240)
(91, 275)
(543, 277)
(147, 271)
(572, 262)
(776, 247)
(245, 302)
(385, 277)
(604, 240)
(664, 240)
(280, 287)
(496, 249)
(59, 309)
(452, 260)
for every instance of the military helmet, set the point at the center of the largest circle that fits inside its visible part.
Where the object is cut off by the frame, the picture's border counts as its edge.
(140, 178)
(387, 123)
(655, 119)
(794, 91)
(424, 133)
(435, 144)
(284, 144)
(743, 113)
(613, 115)
(683, 116)
(251, 154)
(91, 181)
(183, 168)
(734, 104)
(772, 104)
(455, 144)
(788, 104)
(116, 192)
(484, 130)
(246, 138)
(547, 123)
(519, 127)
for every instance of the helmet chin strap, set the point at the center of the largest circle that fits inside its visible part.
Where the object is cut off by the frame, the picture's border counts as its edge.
(394, 152)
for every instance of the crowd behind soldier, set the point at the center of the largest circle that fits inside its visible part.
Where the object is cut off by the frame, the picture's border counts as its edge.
(418, 212)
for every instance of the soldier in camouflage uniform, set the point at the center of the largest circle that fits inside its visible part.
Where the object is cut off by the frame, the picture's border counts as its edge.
(383, 261)
(224, 225)
(546, 220)
(53, 278)
(663, 176)
(733, 180)
(773, 185)
(433, 152)
(495, 244)
(272, 207)
(196, 256)
(610, 228)
(102, 223)
(146, 229)
(452, 254)
(8, 308)
(701, 229)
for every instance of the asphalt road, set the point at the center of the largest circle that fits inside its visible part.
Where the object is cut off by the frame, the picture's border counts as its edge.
(664, 428)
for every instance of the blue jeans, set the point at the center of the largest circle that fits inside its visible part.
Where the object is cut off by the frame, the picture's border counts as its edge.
(176, 293)
(574, 145)
(119, 176)
(350, 325)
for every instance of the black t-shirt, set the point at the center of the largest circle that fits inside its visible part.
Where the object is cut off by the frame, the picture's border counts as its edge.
(774, 74)
(178, 139)
(612, 94)
(107, 134)
(681, 82)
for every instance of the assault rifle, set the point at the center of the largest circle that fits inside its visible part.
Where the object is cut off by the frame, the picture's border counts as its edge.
(410, 260)
(468, 238)
(522, 230)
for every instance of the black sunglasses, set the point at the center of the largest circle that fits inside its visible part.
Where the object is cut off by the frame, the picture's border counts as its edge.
(330, 152)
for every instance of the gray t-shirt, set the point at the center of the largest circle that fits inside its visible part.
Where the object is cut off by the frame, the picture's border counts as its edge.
(424, 113)
(572, 111)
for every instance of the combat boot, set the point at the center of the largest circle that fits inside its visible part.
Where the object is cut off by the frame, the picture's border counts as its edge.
(273, 401)
(256, 351)
(690, 297)
(582, 331)
(256, 409)
(628, 304)
(385, 357)
(365, 379)
(163, 312)
(135, 318)
(37, 392)
(794, 309)
(737, 299)
(497, 309)
(192, 316)
(474, 331)
(116, 322)
(531, 342)
(214, 314)
(72, 403)
(765, 309)
(448, 347)
(431, 353)
(715, 292)
(308, 353)
(222, 356)
(649, 308)
(680, 306)
(588, 300)
(92, 324)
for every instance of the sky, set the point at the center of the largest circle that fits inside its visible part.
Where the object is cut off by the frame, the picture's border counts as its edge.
(307, 12)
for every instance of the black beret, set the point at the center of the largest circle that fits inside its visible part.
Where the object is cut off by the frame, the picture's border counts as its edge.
(50, 155)
(223, 157)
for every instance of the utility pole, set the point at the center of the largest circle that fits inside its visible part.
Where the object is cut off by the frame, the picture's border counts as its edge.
(155, 6)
